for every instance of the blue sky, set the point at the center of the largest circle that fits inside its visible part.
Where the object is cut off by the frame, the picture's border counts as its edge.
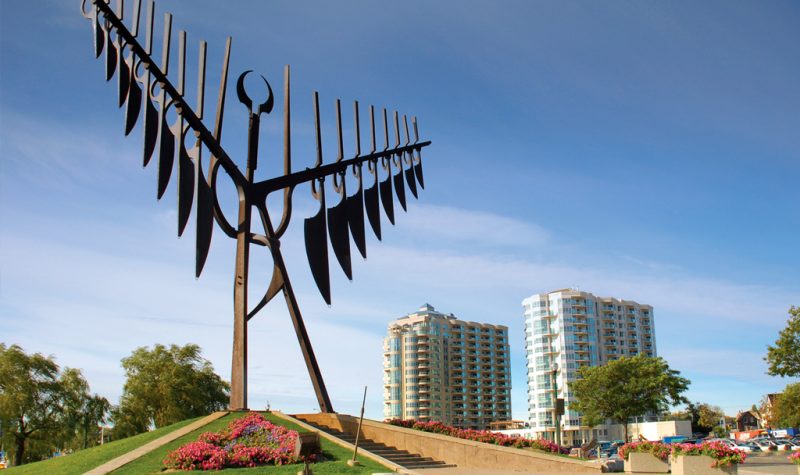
(643, 150)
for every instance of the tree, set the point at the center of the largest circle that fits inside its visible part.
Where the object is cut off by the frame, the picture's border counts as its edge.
(709, 417)
(39, 405)
(763, 412)
(166, 385)
(704, 416)
(625, 388)
(784, 357)
(786, 411)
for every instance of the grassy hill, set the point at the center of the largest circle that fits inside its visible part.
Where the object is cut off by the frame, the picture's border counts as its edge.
(79, 462)
(84, 460)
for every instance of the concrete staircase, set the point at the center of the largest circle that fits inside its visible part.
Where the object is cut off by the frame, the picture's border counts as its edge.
(400, 457)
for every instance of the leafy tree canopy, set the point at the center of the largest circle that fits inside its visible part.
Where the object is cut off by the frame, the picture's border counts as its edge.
(784, 357)
(705, 417)
(625, 388)
(43, 409)
(786, 412)
(167, 385)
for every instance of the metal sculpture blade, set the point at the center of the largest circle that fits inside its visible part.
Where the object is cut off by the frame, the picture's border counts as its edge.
(133, 99)
(372, 202)
(399, 188)
(371, 198)
(166, 152)
(355, 219)
(123, 78)
(386, 164)
(397, 159)
(412, 184)
(133, 104)
(340, 237)
(186, 185)
(417, 161)
(316, 238)
(337, 214)
(355, 203)
(205, 222)
(166, 147)
(418, 170)
(315, 228)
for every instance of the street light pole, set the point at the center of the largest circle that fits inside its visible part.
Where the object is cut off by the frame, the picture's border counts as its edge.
(556, 417)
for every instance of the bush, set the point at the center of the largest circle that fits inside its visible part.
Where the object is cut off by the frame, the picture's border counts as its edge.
(247, 442)
(795, 458)
(484, 436)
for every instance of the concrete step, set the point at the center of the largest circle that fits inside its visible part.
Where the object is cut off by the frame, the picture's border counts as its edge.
(399, 456)
(415, 465)
(410, 458)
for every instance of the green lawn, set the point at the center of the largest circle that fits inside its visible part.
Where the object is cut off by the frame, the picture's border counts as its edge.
(335, 456)
(83, 460)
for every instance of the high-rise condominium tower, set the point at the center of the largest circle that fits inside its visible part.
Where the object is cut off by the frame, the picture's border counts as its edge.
(439, 368)
(567, 329)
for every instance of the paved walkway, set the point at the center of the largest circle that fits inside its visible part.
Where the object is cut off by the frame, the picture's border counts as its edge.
(479, 471)
(118, 462)
(772, 464)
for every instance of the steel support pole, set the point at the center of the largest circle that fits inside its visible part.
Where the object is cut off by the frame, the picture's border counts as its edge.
(324, 400)
(238, 399)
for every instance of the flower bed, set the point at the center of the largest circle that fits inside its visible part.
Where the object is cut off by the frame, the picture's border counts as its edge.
(485, 436)
(659, 450)
(721, 454)
(247, 442)
(795, 458)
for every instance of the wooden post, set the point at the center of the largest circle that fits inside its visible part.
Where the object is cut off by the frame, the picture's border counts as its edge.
(354, 462)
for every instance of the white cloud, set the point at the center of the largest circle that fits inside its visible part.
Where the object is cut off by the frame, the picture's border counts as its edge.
(435, 223)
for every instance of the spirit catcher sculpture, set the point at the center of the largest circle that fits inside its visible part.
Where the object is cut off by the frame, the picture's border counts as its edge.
(146, 91)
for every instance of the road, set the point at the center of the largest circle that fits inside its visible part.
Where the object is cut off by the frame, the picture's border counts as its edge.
(771, 464)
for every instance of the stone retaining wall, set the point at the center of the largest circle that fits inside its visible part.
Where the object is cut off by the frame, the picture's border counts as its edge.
(464, 453)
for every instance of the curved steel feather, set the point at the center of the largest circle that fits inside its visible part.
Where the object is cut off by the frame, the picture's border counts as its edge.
(133, 104)
(340, 238)
(150, 125)
(316, 239)
(409, 172)
(412, 185)
(399, 188)
(337, 214)
(186, 183)
(417, 161)
(111, 54)
(124, 77)
(354, 206)
(205, 221)
(372, 202)
(166, 151)
(418, 169)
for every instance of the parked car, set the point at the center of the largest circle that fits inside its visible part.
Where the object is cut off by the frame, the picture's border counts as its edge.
(745, 446)
(764, 444)
(786, 444)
